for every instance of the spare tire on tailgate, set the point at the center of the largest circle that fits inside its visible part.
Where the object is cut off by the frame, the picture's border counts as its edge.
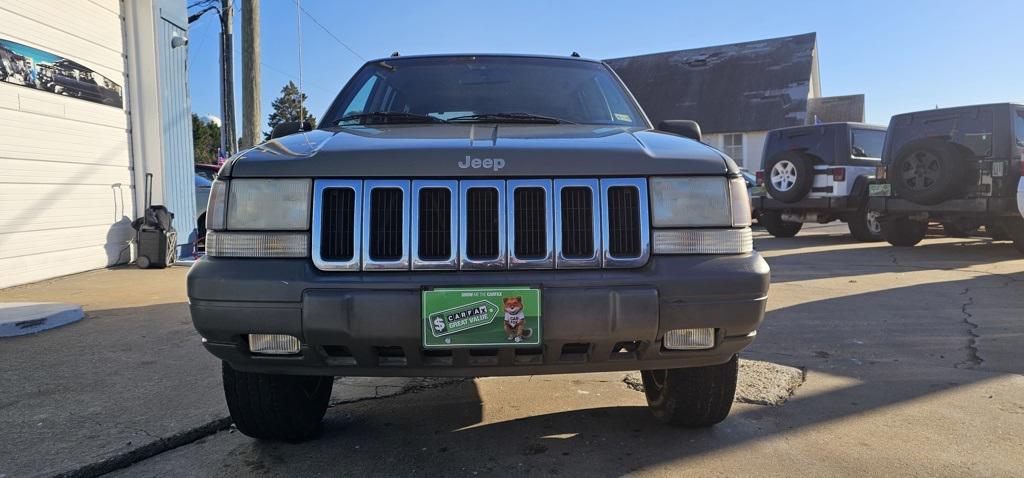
(789, 176)
(928, 171)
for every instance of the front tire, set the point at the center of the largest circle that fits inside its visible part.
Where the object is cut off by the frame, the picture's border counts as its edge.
(773, 223)
(865, 226)
(276, 407)
(692, 397)
(904, 232)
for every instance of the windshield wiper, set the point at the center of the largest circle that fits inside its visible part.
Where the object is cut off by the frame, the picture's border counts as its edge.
(509, 118)
(378, 117)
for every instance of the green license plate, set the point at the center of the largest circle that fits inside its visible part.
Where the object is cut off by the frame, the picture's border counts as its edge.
(757, 191)
(884, 190)
(487, 317)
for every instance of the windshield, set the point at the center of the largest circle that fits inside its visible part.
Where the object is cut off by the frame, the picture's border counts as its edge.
(485, 89)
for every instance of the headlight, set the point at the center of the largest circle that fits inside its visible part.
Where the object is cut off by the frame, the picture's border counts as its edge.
(245, 218)
(699, 202)
(269, 204)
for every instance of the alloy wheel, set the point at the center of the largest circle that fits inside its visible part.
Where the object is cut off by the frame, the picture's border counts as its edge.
(783, 175)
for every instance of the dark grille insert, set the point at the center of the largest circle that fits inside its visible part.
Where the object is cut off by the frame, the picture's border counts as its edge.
(531, 230)
(482, 223)
(435, 228)
(575, 353)
(577, 222)
(623, 221)
(337, 233)
(386, 224)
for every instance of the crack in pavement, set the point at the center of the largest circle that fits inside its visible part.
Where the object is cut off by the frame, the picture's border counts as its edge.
(162, 445)
(973, 359)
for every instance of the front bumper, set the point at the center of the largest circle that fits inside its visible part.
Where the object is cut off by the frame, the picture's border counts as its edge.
(369, 323)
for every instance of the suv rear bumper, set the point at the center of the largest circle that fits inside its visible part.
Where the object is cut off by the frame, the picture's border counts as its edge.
(832, 204)
(355, 323)
(986, 207)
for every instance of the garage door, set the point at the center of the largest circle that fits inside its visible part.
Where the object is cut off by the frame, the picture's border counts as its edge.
(66, 200)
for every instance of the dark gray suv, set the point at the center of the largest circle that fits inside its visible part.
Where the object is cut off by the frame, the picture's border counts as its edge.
(471, 216)
(956, 166)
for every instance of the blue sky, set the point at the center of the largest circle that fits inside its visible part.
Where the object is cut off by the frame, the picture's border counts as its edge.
(904, 55)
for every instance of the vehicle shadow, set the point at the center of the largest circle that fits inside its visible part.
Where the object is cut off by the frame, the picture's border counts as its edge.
(820, 257)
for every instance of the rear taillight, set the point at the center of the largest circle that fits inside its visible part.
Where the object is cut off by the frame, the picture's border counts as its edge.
(880, 173)
(838, 174)
(760, 177)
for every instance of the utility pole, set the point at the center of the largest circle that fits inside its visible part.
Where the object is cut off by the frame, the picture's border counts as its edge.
(227, 86)
(250, 73)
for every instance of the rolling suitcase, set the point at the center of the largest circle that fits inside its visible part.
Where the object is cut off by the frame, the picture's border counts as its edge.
(155, 237)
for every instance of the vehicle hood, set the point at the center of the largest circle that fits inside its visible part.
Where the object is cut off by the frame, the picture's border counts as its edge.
(441, 150)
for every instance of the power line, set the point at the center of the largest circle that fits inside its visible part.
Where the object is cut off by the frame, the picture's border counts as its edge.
(290, 76)
(202, 3)
(332, 35)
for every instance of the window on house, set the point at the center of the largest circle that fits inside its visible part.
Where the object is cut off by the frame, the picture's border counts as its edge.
(732, 144)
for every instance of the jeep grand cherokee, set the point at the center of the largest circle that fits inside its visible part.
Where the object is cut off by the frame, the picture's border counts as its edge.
(474, 216)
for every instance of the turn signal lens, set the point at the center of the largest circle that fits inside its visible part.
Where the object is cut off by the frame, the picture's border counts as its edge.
(702, 241)
(217, 206)
(838, 174)
(740, 200)
(257, 244)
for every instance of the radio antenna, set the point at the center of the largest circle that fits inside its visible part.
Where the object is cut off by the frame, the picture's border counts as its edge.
(298, 31)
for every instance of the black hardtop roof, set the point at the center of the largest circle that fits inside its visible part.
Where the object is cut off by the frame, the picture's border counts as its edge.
(483, 55)
(957, 108)
(850, 123)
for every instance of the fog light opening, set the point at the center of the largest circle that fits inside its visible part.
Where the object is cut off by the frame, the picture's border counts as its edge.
(689, 339)
(273, 344)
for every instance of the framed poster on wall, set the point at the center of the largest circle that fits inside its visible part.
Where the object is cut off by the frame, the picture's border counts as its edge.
(23, 65)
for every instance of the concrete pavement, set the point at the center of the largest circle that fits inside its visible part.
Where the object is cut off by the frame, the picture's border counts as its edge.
(913, 368)
(912, 359)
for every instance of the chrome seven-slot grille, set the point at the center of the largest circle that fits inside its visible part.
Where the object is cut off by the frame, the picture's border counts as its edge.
(480, 224)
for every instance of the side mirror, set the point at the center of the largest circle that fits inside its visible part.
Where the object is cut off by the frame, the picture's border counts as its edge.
(685, 128)
(289, 127)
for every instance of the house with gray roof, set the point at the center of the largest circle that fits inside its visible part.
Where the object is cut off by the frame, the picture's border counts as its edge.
(738, 92)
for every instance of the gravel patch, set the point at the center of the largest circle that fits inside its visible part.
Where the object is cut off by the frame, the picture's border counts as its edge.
(760, 383)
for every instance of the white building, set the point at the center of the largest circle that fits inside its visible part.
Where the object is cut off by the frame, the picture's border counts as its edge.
(93, 97)
(738, 92)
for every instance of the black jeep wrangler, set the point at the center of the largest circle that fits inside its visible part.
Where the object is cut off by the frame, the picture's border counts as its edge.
(820, 174)
(477, 215)
(956, 166)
